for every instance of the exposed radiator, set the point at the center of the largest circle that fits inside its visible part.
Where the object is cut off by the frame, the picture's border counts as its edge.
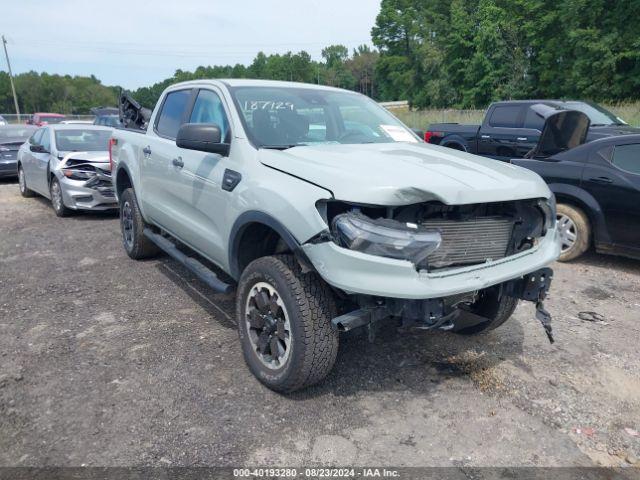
(466, 242)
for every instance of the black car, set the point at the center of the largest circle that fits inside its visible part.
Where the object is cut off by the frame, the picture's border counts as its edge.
(597, 189)
(510, 129)
(11, 137)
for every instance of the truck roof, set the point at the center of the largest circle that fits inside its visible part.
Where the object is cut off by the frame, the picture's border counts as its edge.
(246, 82)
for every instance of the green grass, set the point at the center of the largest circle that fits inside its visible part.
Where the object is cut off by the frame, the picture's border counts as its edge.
(629, 112)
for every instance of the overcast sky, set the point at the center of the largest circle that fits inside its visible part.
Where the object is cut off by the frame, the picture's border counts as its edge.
(135, 43)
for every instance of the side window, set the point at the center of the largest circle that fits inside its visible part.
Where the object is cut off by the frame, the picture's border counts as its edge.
(627, 158)
(507, 116)
(533, 120)
(209, 109)
(45, 141)
(170, 117)
(36, 137)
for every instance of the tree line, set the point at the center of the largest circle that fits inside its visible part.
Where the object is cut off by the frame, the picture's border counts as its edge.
(434, 53)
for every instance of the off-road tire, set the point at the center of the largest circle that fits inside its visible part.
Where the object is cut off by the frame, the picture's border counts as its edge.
(22, 184)
(310, 307)
(583, 231)
(60, 209)
(139, 247)
(493, 305)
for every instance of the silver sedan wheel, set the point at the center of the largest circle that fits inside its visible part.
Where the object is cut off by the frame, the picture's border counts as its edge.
(267, 323)
(21, 181)
(56, 196)
(568, 232)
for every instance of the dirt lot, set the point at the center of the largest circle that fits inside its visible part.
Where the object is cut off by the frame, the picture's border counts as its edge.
(105, 361)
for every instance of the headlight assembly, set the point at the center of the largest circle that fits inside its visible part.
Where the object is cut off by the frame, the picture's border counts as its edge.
(548, 207)
(385, 237)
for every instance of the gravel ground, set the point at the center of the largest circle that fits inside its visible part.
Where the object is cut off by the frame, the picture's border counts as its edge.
(109, 362)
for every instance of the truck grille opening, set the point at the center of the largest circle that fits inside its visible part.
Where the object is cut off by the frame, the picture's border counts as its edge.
(467, 242)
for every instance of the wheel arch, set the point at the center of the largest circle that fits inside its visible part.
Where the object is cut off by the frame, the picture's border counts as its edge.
(455, 142)
(256, 234)
(123, 180)
(577, 197)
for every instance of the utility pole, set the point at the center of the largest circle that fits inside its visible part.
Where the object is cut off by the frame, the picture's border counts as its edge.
(13, 88)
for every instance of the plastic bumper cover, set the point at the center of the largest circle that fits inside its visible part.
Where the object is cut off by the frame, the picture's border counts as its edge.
(78, 196)
(355, 272)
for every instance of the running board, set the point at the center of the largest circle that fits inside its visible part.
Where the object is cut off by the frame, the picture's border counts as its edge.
(199, 270)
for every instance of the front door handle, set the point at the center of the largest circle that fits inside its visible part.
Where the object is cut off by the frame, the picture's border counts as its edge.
(147, 151)
(601, 180)
(485, 137)
(177, 162)
(522, 139)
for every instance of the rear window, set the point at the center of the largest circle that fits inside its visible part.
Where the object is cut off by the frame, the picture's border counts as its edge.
(627, 158)
(506, 116)
(172, 113)
(533, 120)
(47, 119)
(82, 140)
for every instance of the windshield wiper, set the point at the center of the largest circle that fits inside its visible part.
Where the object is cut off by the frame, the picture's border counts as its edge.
(282, 147)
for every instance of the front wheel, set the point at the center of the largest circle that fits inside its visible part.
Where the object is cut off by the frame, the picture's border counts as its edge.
(57, 200)
(575, 232)
(22, 183)
(493, 305)
(284, 323)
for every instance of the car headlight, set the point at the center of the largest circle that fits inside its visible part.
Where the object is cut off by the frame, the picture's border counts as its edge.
(548, 207)
(385, 237)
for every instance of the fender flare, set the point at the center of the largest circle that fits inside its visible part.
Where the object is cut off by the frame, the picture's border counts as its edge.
(593, 209)
(455, 139)
(256, 216)
(119, 168)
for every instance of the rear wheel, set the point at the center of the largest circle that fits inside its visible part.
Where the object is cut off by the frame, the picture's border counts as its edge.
(575, 231)
(284, 323)
(132, 226)
(57, 200)
(495, 307)
(22, 183)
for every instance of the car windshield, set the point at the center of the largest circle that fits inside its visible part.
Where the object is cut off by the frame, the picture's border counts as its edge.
(281, 117)
(82, 140)
(44, 118)
(598, 115)
(16, 132)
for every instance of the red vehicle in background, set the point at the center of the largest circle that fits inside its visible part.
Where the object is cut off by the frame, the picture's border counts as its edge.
(40, 118)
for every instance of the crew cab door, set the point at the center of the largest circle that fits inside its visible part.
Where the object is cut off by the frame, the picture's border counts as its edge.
(612, 176)
(502, 134)
(160, 179)
(200, 198)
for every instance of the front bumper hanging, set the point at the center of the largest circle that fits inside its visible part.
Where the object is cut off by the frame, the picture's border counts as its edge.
(442, 314)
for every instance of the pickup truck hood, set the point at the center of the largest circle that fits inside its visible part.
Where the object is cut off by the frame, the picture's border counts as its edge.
(404, 173)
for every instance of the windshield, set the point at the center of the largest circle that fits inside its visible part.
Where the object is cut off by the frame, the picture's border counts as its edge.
(281, 117)
(14, 132)
(47, 119)
(598, 115)
(81, 140)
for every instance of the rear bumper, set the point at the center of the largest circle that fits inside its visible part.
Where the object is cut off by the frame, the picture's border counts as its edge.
(8, 166)
(358, 273)
(78, 196)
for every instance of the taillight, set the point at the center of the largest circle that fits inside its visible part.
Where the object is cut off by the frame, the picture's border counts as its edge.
(112, 142)
(428, 136)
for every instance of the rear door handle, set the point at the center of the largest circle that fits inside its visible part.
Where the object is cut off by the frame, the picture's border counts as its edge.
(177, 162)
(522, 139)
(601, 180)
(485, 137)
(147, 151)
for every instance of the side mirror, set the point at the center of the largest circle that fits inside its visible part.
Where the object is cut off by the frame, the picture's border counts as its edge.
(37, 149)
(203, 137)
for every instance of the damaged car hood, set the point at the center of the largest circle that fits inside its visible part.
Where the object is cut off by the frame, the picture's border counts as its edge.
(74, 159)
(402, 174)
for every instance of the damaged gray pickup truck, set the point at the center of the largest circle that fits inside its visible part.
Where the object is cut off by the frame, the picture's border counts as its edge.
(325, 213)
